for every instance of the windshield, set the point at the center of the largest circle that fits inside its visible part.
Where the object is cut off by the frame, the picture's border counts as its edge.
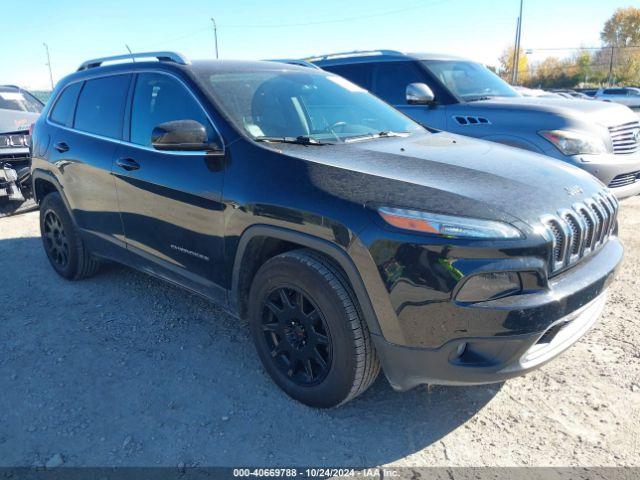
(295, 104)
(468, 80)
(19, 100)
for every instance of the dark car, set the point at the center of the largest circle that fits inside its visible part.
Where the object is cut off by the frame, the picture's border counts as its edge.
(348, 235)
(18, 110)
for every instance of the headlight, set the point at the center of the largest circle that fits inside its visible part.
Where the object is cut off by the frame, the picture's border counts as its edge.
(447, 225)
(573, 143)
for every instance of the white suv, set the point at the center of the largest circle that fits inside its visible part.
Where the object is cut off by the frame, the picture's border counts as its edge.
(628, 96)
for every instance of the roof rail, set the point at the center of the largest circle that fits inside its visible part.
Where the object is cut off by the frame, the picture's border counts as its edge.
(160, 56)
(355, 53)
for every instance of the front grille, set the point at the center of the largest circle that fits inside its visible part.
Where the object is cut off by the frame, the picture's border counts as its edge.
(625, 138)
(625, 179)
(580, 230)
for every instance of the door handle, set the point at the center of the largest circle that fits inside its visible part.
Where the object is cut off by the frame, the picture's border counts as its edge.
(128, 164)
(61, 147)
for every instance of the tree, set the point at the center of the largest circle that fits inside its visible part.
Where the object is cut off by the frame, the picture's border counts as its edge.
(583, 71)
(554, 72)
(506, 65)
(621, 34)
(623, 28)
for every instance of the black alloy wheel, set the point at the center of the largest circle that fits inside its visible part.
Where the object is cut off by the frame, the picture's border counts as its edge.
(56, 242)
(297, 336)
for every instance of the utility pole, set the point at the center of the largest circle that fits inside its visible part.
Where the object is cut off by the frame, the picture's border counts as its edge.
(215, 34)
(610, 80)
(516, 50)
(46, 47)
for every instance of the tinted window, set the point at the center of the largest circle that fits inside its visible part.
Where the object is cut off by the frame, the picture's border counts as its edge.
(62, 112)
(302, 102)
(615, 91)
(158, 99)
(359, 73)
(16, 99)
(101, 106)
(392, 78)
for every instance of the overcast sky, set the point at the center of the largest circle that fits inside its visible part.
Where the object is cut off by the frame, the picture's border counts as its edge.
(251, 29)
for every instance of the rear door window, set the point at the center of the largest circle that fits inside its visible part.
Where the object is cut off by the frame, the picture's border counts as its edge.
(392, 78)
(359, 73)
(101, 106)
(64, 107)
(615, 91)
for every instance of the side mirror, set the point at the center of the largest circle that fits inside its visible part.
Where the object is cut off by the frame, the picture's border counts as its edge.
(183, 136)
(419, 94)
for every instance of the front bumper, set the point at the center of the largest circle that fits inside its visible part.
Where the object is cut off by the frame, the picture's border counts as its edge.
(616, 171)
(475, 361)
(558, 317)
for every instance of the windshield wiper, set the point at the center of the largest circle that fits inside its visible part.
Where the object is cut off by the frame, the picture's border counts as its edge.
(483, 97)
(369, 136)
(300, 140)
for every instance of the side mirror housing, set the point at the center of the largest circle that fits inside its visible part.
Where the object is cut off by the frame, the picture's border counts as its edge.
(183, 136)
(419, 94)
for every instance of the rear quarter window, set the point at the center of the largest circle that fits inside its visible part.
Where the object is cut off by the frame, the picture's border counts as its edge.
(62, 112)
(101, 106)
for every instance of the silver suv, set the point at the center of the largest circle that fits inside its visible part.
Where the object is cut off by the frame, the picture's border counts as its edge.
(462, 96)
(628, 96)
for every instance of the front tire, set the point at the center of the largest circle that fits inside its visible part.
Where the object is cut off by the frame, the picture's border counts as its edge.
(62, 242)
(309, 331)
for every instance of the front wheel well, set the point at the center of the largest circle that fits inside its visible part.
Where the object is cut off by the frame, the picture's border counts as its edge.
(258, 251)
(42, 188)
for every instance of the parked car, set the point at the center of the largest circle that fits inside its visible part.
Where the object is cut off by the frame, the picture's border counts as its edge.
(628, 96)
(535, 92)
(349, 236)
(18, 110)
(589, 92)
(567, 93)
(461, 96)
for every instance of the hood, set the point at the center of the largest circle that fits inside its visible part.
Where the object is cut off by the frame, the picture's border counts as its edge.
(603, 113)
(447, 173)
(15, 120)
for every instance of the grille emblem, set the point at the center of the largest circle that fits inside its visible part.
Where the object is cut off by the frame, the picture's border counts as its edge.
(636, 135)
(573, 190)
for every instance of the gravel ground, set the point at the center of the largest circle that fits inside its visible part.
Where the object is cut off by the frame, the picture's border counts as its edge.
(123, 369)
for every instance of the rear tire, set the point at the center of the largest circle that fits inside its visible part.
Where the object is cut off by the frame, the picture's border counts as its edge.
(309, 331)
(62, 242)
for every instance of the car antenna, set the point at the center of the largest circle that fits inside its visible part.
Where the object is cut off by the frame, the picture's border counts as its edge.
(133, 59)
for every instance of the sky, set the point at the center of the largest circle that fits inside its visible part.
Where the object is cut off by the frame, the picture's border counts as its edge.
(257, 29)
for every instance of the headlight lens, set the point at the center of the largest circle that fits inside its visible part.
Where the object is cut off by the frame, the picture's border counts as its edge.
(447, 225)
(573, 143)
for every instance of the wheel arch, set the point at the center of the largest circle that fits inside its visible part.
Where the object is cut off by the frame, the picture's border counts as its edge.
(250, 255)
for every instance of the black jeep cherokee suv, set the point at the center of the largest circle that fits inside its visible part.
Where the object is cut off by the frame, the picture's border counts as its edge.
(349, 236)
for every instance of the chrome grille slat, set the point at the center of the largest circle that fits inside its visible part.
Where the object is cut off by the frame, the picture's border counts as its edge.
(580, 230)
(624, 139)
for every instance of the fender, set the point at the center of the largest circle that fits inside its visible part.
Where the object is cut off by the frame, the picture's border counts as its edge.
(49, 177)
(514, 141)
(337, 254)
